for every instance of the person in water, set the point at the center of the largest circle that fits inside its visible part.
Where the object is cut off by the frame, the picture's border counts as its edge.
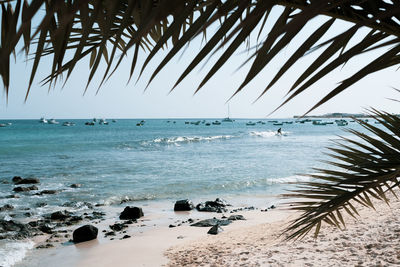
(279, 131)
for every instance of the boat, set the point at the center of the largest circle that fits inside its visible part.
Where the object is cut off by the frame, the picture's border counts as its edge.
(341, 122)
(103, 122)
(216, 123)
(318, 122)
(278, 123)
(68, 123)
(3, 125)
(250, 123)
(208, 124)
(273, 121)
(227, 119)
(114, 120)
(42, 120)
(187, 122)
(9, 123)
(90, 123)
(288, 122)
(52, 121)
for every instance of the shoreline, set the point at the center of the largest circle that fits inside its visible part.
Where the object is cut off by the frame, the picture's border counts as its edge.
(155, 224)
(256, 241)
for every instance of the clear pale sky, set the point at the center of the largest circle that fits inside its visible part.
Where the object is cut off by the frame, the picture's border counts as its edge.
(116, 99)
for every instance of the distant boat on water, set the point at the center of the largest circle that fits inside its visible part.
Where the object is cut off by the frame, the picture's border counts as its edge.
(216, 123)
(68, 123)
(43, 120)
(250, 123)
(103, 122)
(319, 123)
(3, 125)
(228, 119)
(341, 122)
(52, 121)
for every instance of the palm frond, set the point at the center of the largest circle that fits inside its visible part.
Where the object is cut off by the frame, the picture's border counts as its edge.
(98, 29)
(364, 170)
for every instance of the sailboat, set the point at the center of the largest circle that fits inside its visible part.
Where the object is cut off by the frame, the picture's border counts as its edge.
(227, 119)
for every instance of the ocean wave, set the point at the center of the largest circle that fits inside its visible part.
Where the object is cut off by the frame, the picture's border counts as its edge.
(13, 252)
(122, 199)
(267, 134)
(192, 139)
(289, 179)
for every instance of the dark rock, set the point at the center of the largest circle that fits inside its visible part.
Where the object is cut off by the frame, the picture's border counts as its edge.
(216, 229)
(131, 222)
(46, 228)
(16, 179)
(15, 230)
(48, 245)
(47, 192)
(218, 205)
(60, 215)
(126, 236)
(75, 185)
(131, 213)
(272, 207)
(4, 181)
(28, 214)
(118, 227)
(25, 189)
(85, 233)
(211, 222)
(109, 234)
(236, 217)
(6, 207)
(11, 196)
(75, 219)
(171, 226)
(183, 205)
(26, 181)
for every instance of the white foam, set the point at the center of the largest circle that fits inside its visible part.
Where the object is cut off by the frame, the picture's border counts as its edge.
(13, 252)
(192, 139)
(267, 134)
(290, 179)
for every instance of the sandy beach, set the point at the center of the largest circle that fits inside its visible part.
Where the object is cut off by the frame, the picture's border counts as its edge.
(373, 240)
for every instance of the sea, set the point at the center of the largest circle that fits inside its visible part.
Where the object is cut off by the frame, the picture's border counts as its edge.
(153, 161)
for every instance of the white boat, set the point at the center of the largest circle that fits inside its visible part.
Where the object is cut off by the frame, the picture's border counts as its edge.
(42, 120)
(227, 119)
(52, 121)
(3, 125)
(67, 123)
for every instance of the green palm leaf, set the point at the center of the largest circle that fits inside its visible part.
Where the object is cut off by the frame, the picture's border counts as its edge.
(364, 170)
(93, 28)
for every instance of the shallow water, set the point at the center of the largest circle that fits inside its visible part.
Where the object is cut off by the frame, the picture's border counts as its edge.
(158, 161)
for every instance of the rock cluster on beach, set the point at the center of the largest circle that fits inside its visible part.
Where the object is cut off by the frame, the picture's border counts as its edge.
(57, 224)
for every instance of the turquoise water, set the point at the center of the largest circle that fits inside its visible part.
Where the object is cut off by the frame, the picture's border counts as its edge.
(159, 161)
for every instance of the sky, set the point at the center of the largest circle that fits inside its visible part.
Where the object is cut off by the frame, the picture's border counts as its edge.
(117, 99)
